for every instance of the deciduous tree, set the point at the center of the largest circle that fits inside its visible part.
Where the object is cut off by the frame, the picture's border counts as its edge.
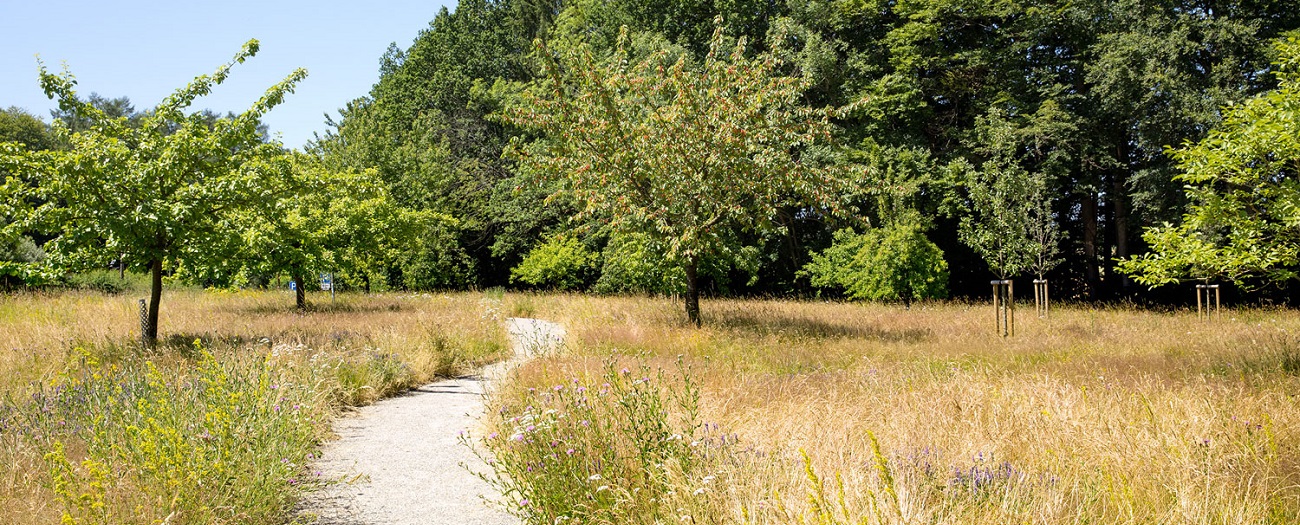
(1243, 182)
(160, 192)
(689, 155)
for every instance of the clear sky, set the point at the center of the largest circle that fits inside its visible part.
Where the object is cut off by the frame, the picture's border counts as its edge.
(146, 49)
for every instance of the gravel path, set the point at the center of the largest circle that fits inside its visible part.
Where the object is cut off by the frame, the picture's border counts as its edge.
(400, 459)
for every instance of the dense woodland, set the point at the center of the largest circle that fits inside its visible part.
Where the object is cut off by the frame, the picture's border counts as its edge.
(874, 150)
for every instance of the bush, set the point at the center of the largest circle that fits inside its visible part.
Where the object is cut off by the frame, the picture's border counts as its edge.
(562, 263)
(895, 263)
(632, 265)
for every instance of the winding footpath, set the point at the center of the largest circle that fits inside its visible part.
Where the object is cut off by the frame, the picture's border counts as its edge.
(401, 460)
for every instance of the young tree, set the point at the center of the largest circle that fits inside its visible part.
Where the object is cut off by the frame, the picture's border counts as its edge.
(159, 192)
(1243, 182)
(688, 156)
(1000, 200)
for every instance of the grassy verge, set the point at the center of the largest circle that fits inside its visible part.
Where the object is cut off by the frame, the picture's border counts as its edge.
(836, 413)
(219, 424)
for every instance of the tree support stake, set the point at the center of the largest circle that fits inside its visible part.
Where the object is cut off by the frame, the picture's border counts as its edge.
(1204, 310)
(1004, 307)
(1040, 297)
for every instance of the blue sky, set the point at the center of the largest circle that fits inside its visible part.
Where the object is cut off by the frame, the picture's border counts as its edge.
(146, 49)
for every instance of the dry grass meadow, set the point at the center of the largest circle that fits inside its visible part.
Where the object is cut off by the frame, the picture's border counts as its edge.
(220, 422)
(1108, 415)
(808, 412)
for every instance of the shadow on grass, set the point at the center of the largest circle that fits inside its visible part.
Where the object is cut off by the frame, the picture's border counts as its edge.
(770, 323)
(321, 308)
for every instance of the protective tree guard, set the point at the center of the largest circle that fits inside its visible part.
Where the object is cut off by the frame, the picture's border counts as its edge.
(1004, 307)
(1040, 297)
(145, 341)
(1203, 307)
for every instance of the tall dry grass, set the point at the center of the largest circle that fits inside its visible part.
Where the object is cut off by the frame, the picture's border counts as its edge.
(1108, 415)
(38, 332)
(217, 424)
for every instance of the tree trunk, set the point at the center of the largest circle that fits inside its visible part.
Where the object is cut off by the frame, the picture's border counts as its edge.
(1088, 216)
(693, 291)
(1120, 207)
(121, 267)
(155, 296)
(300, 291)
(365, 279)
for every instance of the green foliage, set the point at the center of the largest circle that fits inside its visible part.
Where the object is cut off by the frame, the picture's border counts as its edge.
(160, 191)
(1243, 182)
(107, 281)
(689, 155)
(423, 128)
(562, 263)
(1083, 94)
(633, 265)
(1007, 208)
(894, 263)
(19, 126)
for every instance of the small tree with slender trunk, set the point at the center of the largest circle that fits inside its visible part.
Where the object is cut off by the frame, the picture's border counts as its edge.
(152, 194)
(686, 155)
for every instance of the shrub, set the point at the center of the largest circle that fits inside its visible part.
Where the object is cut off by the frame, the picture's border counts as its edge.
(562, 263)
(895, 263)
(632, 265)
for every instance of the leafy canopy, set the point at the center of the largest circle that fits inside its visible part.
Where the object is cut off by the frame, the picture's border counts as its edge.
(1243, 182)
(160, 191)
(690, 156)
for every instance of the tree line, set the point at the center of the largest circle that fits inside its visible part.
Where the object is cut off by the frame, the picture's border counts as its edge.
(872, 150)
(976, 139)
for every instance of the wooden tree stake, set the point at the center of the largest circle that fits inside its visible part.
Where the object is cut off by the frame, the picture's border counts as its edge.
(1040, 297)
(1204, 310)
(1004, 307)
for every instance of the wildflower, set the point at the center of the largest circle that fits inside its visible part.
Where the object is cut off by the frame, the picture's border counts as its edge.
(594, 477)
(569, 452)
